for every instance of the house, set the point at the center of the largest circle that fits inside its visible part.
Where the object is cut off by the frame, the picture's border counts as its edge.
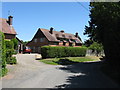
(45, 37)
(7, 28)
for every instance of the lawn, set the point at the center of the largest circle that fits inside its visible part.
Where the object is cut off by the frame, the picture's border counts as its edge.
(68, 60)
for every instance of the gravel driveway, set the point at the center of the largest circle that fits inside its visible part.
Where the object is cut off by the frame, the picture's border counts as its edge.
(30, 73)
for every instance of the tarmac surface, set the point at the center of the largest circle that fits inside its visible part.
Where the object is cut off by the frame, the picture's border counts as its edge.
(31, 73)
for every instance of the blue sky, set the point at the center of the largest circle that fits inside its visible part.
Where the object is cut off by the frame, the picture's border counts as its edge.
(29, 16)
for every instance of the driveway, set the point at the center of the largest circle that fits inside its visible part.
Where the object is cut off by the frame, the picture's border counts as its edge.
(30, 73)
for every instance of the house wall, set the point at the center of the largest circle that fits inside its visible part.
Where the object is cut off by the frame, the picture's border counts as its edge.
(36, 45)
(9, 36)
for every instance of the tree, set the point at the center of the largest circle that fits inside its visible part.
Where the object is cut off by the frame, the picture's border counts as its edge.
(104, 27)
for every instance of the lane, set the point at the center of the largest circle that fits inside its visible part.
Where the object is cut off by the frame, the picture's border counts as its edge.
(30, 73)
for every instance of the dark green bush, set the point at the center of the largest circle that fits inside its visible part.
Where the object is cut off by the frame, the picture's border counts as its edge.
(51, 52)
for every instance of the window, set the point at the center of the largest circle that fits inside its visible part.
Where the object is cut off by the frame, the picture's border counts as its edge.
(42, 39)
(35, 40)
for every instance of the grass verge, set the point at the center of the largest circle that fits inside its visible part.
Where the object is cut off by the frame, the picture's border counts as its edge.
(68, 60)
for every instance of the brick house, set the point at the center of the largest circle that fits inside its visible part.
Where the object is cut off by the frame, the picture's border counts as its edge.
(44, 37)
(7, 28)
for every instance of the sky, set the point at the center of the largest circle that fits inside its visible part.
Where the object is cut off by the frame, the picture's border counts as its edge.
(29, 16)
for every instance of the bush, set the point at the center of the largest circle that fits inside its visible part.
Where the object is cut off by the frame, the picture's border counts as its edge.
(11, 60)
(51, 52)
(15, 43)
(96, 47)
(2, 55)
(9, 44)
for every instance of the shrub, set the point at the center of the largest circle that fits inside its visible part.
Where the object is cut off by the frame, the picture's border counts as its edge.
(51, 52)
(11, 60)
(3, 54)
(96, 47)
(9, 44)
(15, 43)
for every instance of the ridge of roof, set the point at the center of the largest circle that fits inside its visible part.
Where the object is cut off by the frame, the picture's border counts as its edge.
(52, 37)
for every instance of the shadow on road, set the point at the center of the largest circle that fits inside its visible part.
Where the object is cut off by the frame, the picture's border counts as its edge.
(86, 75)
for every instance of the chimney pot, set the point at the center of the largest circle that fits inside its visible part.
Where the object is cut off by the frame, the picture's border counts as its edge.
(62, 31)
(76, 34)
(10, 19)
(51, 30)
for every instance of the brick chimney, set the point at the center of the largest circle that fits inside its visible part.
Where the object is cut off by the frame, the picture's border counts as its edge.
(51, 30)
(62, 31)
(10, 20)
(76, 34)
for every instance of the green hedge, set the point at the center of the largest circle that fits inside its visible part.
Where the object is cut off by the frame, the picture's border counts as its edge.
(51, 52)
(2, 55)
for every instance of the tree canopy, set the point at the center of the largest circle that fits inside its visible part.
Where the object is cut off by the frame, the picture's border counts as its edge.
(104, 27)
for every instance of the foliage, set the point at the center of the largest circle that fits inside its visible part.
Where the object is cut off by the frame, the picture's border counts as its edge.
(104, 27)
(9, 44)
(96, 47)
(11, 60)
(88, 42)
(50, 52)
(3, 54)
(15, 42)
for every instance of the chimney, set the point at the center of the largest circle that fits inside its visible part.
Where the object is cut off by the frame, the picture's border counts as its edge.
(51, 30)
(76, 34)
(62, 31)
(10, 19)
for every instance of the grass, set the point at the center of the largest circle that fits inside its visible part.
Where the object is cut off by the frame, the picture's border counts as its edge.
(68, 60)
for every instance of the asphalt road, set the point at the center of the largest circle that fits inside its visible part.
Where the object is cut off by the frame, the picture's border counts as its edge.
(30, 73)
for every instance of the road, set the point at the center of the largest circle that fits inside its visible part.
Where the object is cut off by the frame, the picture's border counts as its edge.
(30, 73)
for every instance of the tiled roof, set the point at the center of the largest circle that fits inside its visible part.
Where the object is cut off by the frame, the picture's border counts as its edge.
(5, 27)
(53, 37)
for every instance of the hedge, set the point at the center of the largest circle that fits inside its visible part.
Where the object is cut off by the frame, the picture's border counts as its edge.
(2, 55)
(51, 52)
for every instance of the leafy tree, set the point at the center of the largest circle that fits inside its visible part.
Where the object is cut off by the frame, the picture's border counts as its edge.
(104, 27)
(96, 47)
